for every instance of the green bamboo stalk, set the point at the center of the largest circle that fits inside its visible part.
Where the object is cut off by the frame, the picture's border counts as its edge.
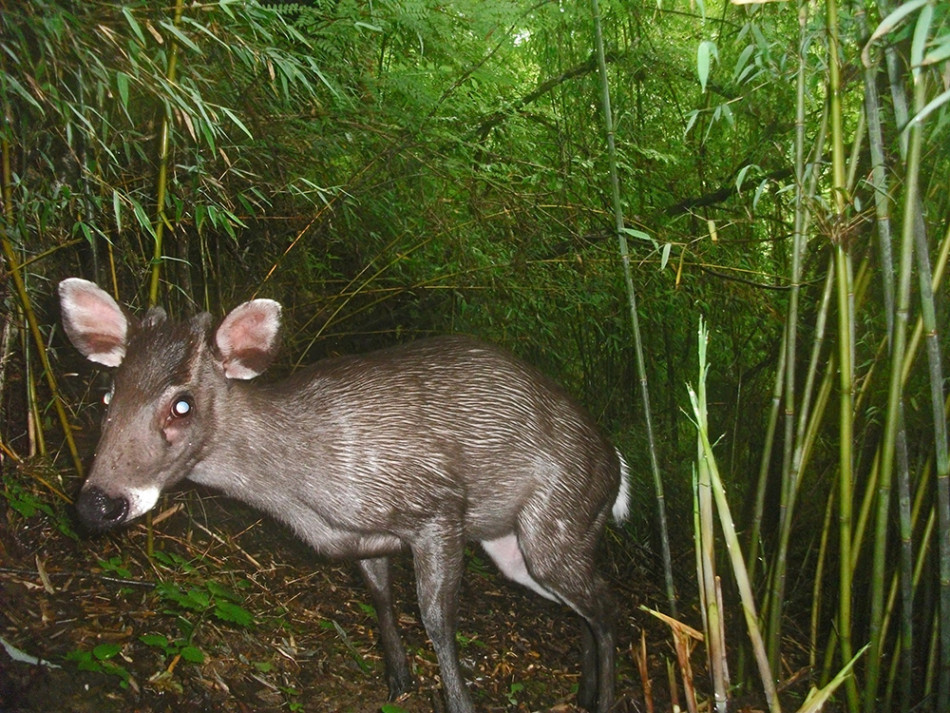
(932, 656)
(787, 497)
(824, 397)
(889, 442)
(13, 269)
(632, 300)
(706, 553)
(943, 259)
(765, 464)
(161, 187)
(895, 73)
(928, 314)
(23, 295)
(845, 353)
(907, 581)
(879, 185)
(899, 657)
(809, 420)
(733, 547)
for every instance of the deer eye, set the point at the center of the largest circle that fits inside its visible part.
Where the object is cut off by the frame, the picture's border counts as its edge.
(182, 406)
(107, 397)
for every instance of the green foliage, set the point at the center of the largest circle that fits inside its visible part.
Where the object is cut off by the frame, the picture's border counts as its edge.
(169, 648)
(513, 690)
(116, 565)
(291, 694)
(391, 708)
(208, 598)
(25, 501)
(100, 660)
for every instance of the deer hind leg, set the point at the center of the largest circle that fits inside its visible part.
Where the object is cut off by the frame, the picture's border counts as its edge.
(559, 556)
(506, 554)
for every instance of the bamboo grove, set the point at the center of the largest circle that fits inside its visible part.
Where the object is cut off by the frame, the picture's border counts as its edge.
(725, 226)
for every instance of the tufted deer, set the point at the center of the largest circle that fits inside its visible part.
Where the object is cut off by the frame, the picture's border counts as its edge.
(424, 446)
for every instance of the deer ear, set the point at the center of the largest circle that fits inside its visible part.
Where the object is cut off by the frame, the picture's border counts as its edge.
(94, 323)
(248, 339)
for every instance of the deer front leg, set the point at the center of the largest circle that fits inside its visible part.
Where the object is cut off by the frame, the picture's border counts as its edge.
(375, 573)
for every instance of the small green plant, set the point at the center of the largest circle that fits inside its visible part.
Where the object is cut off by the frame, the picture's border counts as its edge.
(170, 648)
(116, 566)
(174, 561)
(466, 641)
(210, 598)
(367, 609)
(289, 694)
(478, 566)
(100, 660)
(513, 692)
(28, 504)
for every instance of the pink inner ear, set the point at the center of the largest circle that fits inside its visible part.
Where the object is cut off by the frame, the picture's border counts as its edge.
(247, 339)
(94, 322)
(93, 315)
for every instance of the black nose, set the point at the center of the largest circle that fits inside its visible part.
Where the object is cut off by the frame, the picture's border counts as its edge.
(99, 511)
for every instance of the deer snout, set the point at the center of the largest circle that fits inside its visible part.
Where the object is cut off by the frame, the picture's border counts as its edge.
(99, 511)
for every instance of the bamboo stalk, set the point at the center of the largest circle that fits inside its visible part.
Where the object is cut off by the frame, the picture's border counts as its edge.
(161, 187)
(897, 582)
(935, 371)
(632, 300)
(727, 525)
(706, 558)
(6, 177)
(789, 485)
(845, 352)
(891, 427)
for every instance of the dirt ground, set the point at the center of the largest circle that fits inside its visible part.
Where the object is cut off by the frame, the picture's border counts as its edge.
(233, 614)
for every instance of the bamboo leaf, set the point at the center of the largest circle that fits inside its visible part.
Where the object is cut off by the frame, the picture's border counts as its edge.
(122, 83)
(919, 43)
(706, 53)
(240, 124)
(142, 217)
(741, 64)
(929, 108)
(693, 116)
(888, 24)
(740, 177)
(134, 25)
(941, 52)
(11, 81)
(816, 698)
(640, 235)
(180, 36)
(760, 189)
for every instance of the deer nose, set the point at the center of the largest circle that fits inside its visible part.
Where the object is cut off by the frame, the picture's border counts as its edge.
(98, 510)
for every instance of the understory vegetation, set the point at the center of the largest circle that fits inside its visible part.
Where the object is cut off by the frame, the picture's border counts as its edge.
(724, 227)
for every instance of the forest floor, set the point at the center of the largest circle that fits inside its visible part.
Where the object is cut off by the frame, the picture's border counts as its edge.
(239, 616)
